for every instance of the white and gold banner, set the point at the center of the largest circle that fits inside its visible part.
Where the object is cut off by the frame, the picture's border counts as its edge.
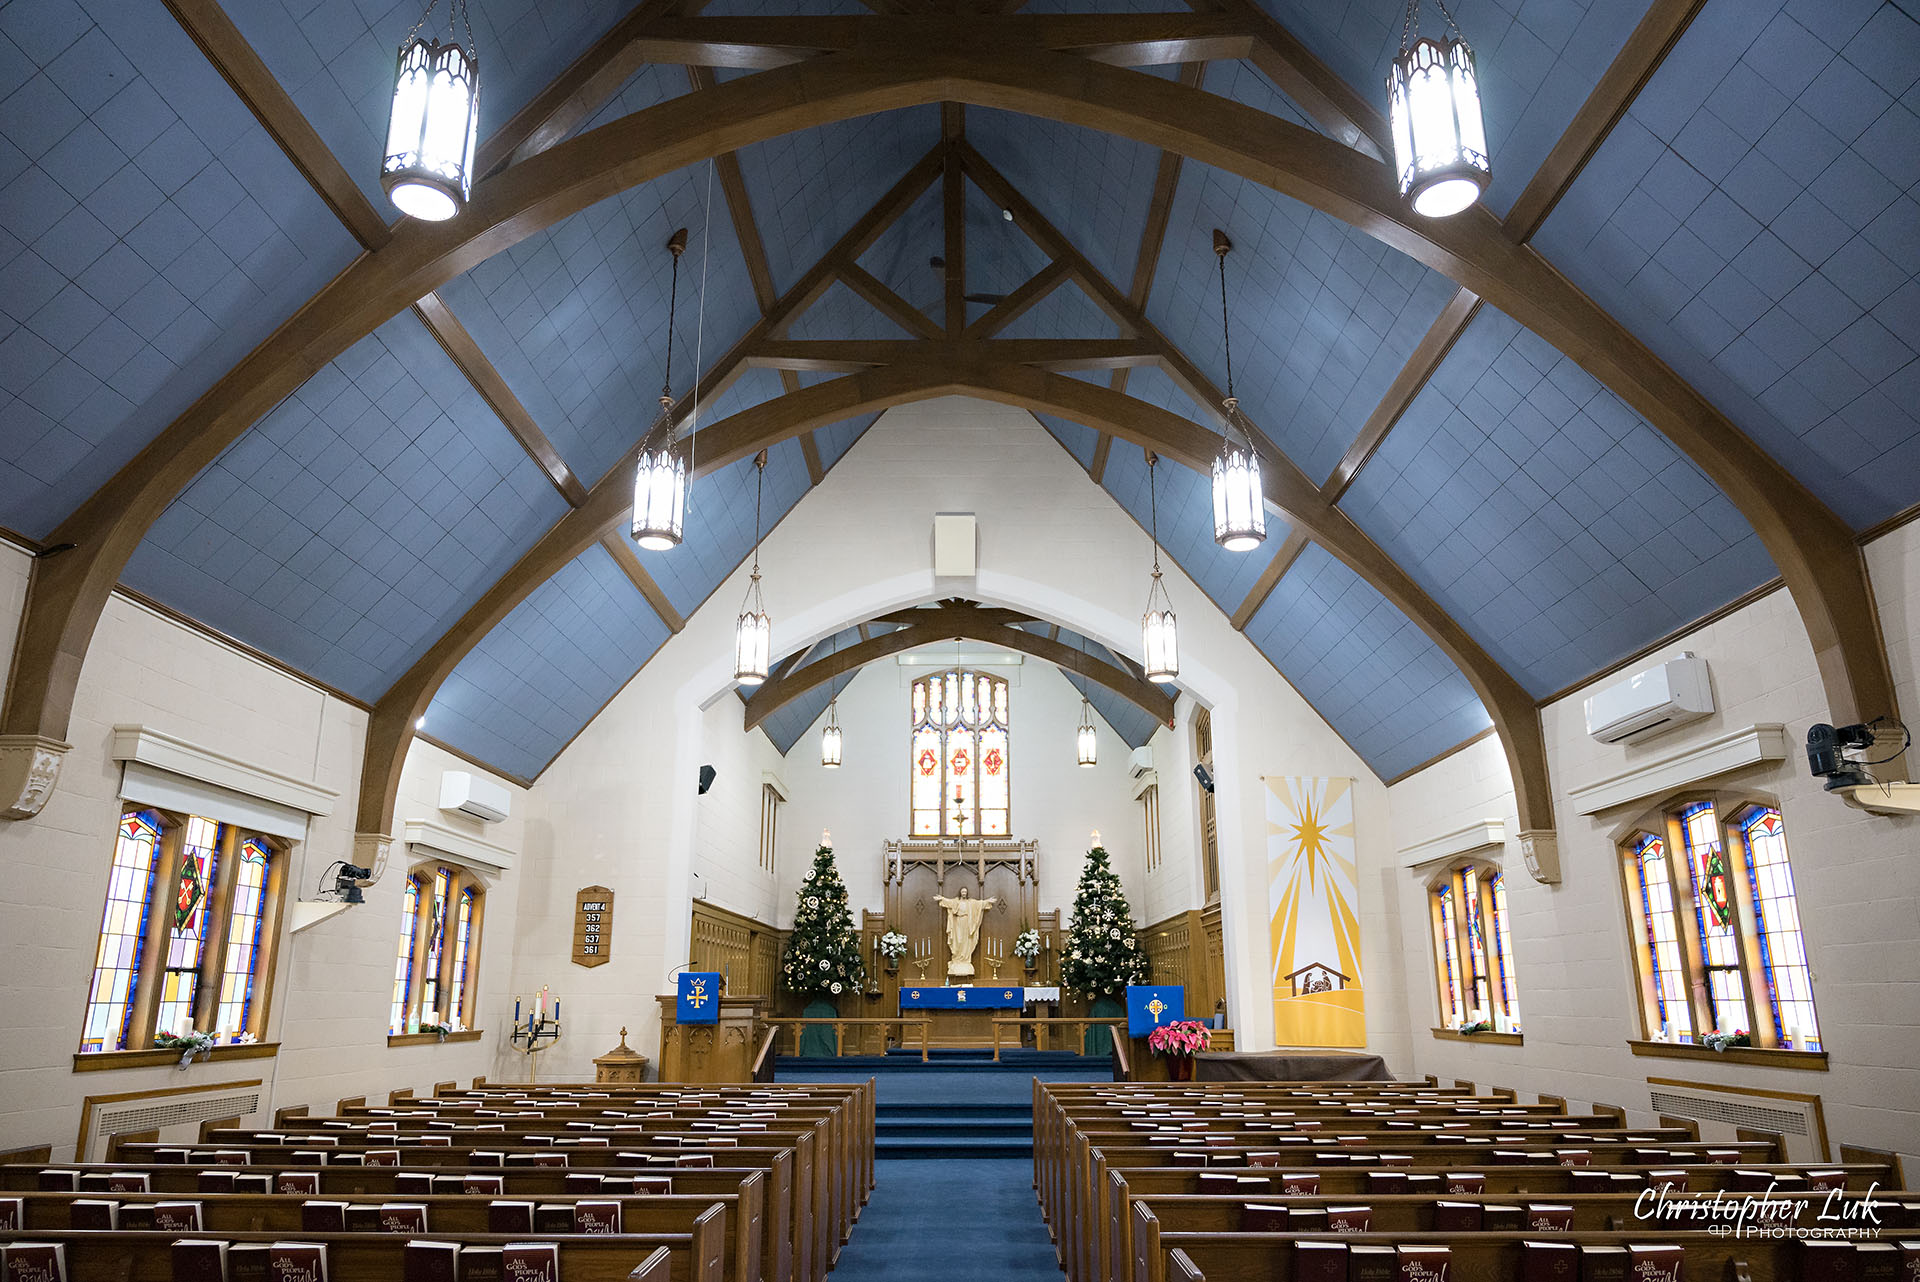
(1319, 997)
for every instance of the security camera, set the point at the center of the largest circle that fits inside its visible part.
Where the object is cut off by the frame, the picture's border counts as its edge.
(1827, 747)
(1205, 776)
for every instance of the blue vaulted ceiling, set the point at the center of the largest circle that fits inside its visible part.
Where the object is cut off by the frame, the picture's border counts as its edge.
(1754, 217)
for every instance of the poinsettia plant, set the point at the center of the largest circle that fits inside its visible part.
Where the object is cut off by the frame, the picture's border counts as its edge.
(1720, 1041)
(1181, 1037)
(189, 1045)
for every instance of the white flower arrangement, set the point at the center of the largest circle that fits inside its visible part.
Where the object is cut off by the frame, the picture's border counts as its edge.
(1026, 945)
(893, 945)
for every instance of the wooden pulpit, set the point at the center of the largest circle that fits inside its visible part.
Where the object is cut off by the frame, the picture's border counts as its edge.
(721, 1052)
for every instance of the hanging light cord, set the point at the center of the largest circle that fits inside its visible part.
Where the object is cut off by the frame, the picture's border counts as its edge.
(673, 306)
(456, 11)
(1226, 330)
(1153, 507)
(759, 484)
(1413, 21)
(700, 327)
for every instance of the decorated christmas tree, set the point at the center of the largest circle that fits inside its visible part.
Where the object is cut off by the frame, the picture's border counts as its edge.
(823, 954)
(1103, 956)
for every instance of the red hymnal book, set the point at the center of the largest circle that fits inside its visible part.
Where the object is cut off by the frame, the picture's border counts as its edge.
(1213, 1182)
(1588, 1180)
(128, 1182)
(1372, 1264)
(52, 1181)
(216, 1181)
(483, 1184)
(1263, 1158)
(1424, 1263)
(1264, 1217)
(1349, 1219)
(293, 1182)
(13, 1212)
(581, 1182)
(1549, 1262)
(1657, 1263)
(1909, 1260)
(1722, 1156)
(232, 1157)
(1825, 1181)
(1386, 1182)
(35, 1261)
(510, 1217)
(480, 1264)
(297, 1262)
(403, 1217)
(434, 1141)
(432, 1262)
(1574, 1156)
(199, 1260)
(596, 1216)
(172, 1156)
(1320, 1262)
(685, 1159)
(530, 1262)
(253, 1182)
(1458, 1217)
(247, 1262)
(1673, 1181)
(1826, 1261)
(1300, 1184)
(93, 1213)
(323, 1217)
(382, 1157)
(420, 1183)
(175, 1217)
(1876, 1262)
(560, 1159)
(1603, 1264)
(1549, 1217)
(653, 1184)
(485, 1157)
(1466, 1182)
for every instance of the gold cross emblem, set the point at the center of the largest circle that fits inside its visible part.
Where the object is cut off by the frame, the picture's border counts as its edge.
(697, 993)
(1155, 1007)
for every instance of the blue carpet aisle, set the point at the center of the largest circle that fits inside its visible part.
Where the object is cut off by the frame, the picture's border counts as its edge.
(932, 1217)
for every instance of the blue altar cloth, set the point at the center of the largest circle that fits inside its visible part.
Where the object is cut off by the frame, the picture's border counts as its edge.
(994, 997)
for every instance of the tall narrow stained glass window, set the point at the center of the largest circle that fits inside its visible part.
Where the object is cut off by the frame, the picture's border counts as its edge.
(123, 932)
(1713, 915)
(403, 967)
(244, 928)
(436, 966)
(186, 920)
(1503, 945)
(462, 951)
(1473, 949)
(1447, 952)
(434, 940)
(1783, 950)
(960, 756)
(1662, 931)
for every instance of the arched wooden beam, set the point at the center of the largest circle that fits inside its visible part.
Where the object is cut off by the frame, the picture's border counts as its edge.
(1812, 547)
(955, 623)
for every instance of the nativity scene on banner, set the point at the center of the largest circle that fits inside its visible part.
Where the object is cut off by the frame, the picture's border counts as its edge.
(1319, 998)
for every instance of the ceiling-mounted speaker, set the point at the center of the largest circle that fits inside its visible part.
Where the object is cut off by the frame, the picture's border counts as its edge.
(706, 779)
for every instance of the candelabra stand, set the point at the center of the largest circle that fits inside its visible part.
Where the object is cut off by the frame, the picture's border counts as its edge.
(532, 1037)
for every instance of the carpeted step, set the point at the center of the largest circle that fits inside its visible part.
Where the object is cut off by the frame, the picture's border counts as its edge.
(933, 1127)
(947, 1148)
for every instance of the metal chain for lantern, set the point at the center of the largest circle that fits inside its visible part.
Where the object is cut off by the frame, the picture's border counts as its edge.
(660, 477)
(433, 127)
(1239, 502)
(1158, 633)
(753, 634)
(1439, 133)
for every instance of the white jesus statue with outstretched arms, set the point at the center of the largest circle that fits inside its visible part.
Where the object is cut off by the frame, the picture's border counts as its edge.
(963, 931)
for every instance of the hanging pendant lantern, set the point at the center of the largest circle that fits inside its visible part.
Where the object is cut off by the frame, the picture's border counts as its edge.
(1439, 135)
(1239, 502)
(434, 129)
(660, 478)
(830, 739)
(753, 633)
(1085, 741)
(1159, 638)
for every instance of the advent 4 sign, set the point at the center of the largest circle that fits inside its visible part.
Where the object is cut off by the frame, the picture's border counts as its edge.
(592, 926)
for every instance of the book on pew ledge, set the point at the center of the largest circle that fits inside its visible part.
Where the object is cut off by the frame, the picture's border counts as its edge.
(530, 1262)
(1386, 1182)
(1458, 1217)
(1372, 1264)
(1466, 1182)
(253, 1182)
(1876, 1262)
(34, 1261)
(307, 1157)
(596, 1215)
(1549, 1217)
(509, 1217)
(1308, 1219)
(403, 1217)
(1320, 1262)
(1823, 1260)
(1673, 1180)
(1354, 1218)
(430, 1262)
(382, 1157)
(172, 1156)
(1265, 1217)
(486, 1157)
(1549, 1262)
(128, 1182)
(479, 1264)
(199, 1260)
(1499, 1218)
(93, 1213)
(1423, 1263)
(362, 1217)
(56, 1181)
(482, 1183)
(170, 1217)
(296, 1262)
(1825, 1181)
(291, 1182)
(323, 1217)
(1600, 1263)
(422, 1183)
(643, 1183)
(1655, 1263)
(217, 1182)
(553, 1217)
(13, 1214)
(349, 1159)
(247, 1261)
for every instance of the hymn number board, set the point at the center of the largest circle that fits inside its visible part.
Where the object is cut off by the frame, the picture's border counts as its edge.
(592, 926)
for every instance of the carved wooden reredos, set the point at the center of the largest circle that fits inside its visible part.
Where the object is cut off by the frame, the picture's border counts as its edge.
(917, 871)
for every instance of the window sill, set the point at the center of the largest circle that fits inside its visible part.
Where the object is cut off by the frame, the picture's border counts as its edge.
(1815, 1061)
(101, 1061)
(428, 1039)
(1498, 1039)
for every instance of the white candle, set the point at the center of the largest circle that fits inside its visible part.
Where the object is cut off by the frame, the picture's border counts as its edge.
(1726, 1022)
(1096, 837)
(826, 839)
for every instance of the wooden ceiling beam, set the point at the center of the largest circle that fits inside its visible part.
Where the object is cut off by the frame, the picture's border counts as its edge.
(953, 213)
(1101, 449)
(887, 303)
(460, 347)
(846, 355)
(1329, 101)
(1025, 297)
(765, 43)
(1427, 355)
(620, 548)
(955, 623)
(1276, 569)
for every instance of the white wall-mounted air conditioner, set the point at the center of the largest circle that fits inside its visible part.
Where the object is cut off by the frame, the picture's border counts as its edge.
(1140, 763)
(472, 794)
(1652, 702)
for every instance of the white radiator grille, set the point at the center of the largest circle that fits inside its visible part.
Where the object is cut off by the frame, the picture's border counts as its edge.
(137, 1116)
(1795, 1121)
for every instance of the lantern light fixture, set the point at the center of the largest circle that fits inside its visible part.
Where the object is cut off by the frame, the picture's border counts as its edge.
(753, 634)
(1085, 740)
(434, 127)
(830, 733)
(660, 479)
(1439, 134)
(1239, 503)
(1159, 638)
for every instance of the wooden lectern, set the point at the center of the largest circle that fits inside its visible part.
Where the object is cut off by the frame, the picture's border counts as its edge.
(721, 1052)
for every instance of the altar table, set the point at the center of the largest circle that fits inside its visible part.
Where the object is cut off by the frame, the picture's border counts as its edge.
(983, 997)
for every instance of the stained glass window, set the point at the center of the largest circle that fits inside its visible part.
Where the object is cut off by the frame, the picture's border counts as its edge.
(243, 939)
(123, 933)
(1473, 949)
(1447, 949)
(1663, 936)
(182, 934)
(462, 946)
(1503, 947)
(403, 968)
(1713, 913)
(1476, 946)
(1783, 950)
(959, 756)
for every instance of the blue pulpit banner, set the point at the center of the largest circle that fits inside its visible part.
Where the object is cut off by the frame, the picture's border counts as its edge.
(699, 997)
(1151, 1006)
(925, 997)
